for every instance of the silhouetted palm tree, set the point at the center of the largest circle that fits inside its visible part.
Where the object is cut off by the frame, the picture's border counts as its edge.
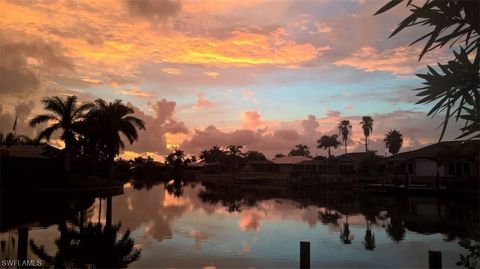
(367, 126)
(234, 153)
(300, 150)
(215, 154)
(15, 139)
(393, 141)
(111, 119)
(176, 159)
(327, 142)
(344, 128)
(253, 155)
(66, 115)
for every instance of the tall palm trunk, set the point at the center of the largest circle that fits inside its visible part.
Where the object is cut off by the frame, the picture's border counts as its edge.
(67, 160)
(108, 222)
(111, 165)
(329, 155)
(366, 143)
(345, 142)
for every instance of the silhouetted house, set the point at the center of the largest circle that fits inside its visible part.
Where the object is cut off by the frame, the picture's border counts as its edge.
(449, 159)
(261, 166)
(215, 167)
(318, 166)
(287, 164)
(30, 164)
(367, 163)
(153, 168)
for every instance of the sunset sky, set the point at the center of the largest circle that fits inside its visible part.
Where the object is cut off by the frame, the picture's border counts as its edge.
(263, 74)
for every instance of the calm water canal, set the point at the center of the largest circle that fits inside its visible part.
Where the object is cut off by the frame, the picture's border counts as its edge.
(213, 226)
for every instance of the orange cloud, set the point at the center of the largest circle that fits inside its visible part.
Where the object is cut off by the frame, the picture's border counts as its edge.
(252, 119)
(172, 71)
(401, 61)
(211, 74)
(136, 93)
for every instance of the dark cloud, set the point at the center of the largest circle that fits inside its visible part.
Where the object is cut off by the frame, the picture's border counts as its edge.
(23, 64)
(158, 10)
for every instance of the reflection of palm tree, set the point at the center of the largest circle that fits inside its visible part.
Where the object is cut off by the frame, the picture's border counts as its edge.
(111, 119)
(345, 235)
(367, 126)
(369, 238)
(327, 142)
(344, 128)
(94, 245)
(393, 141)
(66, 115)
(175, 187)
(396, 230)
(329, 216)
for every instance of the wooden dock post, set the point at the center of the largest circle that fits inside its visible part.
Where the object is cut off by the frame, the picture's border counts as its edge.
(434, 259)
(304, 255)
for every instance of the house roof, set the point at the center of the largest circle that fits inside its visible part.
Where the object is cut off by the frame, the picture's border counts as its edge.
(446, 149)
(260, 162)
(290, 159)
(44, 151)
(247, 168)
(356, 156)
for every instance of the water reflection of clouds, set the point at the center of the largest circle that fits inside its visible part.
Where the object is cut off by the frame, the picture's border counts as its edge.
(156, 210)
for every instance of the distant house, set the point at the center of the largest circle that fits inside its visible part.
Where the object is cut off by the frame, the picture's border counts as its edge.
(214, 167)
(355, 162)
(323, 166)
(287, 164)
(456, 159)
(261, 166)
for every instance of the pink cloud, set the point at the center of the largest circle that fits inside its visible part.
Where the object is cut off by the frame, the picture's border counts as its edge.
(154, 139)
(202, 102)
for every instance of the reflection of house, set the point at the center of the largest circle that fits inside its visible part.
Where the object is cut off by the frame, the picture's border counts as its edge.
(459, 159)
(286, 164)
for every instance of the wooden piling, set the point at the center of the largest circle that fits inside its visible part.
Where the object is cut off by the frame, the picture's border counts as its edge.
(22, 247)
(304, 255)
(434, 259)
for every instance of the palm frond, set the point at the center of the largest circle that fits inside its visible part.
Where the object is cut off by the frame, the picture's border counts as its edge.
(48, 132)
(42, 119)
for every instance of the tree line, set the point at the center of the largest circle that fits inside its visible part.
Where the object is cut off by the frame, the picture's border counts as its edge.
(232, 155)
(92, 134)
(91, 131)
